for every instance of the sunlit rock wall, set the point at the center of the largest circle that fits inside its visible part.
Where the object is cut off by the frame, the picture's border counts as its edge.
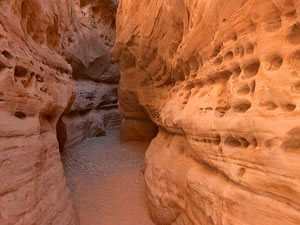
(54, 61)
(221, 80)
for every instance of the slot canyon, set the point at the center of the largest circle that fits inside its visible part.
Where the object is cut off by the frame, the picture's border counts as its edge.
(165, 112)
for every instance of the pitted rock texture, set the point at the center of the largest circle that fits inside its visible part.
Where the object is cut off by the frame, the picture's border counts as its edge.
(221, 81)
(35, 89)
(86, 47)
(50, 52)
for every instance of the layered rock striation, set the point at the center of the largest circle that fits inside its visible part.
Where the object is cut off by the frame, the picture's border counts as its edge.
(54, 61)
(220, 79)
(35, 89)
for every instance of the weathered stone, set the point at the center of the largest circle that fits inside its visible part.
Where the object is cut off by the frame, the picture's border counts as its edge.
(95, 76)
(38, 42)
(35, 89)
(137, 130)
(221, 81)
(77, 126)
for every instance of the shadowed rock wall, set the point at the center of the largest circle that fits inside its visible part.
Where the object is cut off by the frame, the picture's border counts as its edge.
(86, 48)
(221, 81)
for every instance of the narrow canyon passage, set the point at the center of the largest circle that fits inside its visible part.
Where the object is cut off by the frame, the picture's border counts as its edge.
(213, 85)
(106, 180)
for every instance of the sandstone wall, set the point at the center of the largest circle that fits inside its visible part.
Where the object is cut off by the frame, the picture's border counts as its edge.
(86, 47)
(54, 60)
(35, 89)
(221, 81)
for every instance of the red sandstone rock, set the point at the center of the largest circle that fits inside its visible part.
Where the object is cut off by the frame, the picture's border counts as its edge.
(38, 40)
(35, 89)
(137, 130)
(221, 81)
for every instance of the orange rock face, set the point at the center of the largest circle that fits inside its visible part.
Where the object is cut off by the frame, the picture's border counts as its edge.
(221, 81)
(54, 59)
(32, 76)
(38, 40)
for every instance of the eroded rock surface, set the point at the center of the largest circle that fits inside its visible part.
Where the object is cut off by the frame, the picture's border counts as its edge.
(35, 89)
(86, 48)
(221, 81)
(50, 52)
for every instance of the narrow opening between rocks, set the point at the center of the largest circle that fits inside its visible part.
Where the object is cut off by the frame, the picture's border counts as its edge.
(106, 178)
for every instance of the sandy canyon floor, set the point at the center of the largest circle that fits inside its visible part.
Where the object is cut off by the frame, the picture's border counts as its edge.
(106, 180)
